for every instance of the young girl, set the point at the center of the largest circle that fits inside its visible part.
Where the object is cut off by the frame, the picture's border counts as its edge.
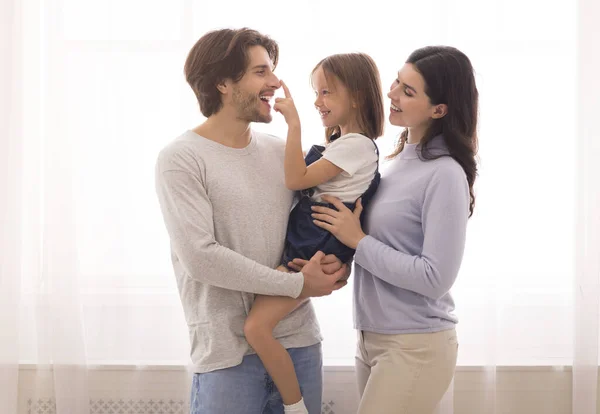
(350, 102)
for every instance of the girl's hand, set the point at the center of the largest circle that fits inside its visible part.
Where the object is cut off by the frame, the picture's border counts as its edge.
(343, 224)
(286, 107)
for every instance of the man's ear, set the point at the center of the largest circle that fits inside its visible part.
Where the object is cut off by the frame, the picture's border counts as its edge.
(223, 87)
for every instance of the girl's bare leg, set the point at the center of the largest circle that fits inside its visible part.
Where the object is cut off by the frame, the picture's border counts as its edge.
(265, 314)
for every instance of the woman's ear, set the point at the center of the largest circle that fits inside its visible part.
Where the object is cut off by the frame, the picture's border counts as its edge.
(439, 111)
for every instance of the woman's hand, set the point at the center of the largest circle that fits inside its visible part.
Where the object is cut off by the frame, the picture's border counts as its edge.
(343, 224)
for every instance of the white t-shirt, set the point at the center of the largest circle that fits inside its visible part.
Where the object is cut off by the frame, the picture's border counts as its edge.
(356, 155)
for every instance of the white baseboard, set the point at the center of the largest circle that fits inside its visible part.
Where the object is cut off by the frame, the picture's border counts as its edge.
(165, 390)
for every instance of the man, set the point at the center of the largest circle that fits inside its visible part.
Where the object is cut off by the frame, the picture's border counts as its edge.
(224, 201)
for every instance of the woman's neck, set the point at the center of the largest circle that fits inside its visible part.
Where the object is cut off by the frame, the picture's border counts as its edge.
(416, 134)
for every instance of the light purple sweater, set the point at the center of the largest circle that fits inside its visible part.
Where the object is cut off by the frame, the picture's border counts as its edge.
(416, 226)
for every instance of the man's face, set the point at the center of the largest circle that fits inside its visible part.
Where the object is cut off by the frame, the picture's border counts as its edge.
(252, 94)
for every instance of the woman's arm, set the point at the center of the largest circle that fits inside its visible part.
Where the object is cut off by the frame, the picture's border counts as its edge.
(444, 219)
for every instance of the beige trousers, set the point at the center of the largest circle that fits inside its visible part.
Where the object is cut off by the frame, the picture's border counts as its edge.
(406, 373)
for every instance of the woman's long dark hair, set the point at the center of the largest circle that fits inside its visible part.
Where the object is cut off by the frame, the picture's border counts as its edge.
(449, 79)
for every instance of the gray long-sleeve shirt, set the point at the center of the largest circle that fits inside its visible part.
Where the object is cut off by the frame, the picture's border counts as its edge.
(226, 212)
(416, 226)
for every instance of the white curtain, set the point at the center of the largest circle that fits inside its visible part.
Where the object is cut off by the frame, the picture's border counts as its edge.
(10, 216)
(41, 299)
(90, 92)
(587, 246)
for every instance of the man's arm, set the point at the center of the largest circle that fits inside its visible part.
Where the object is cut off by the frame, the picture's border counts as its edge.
(188, 216)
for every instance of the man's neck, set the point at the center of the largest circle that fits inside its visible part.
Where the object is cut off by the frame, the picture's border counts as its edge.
(225, 129)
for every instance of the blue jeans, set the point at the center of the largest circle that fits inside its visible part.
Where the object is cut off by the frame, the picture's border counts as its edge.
(248, 389)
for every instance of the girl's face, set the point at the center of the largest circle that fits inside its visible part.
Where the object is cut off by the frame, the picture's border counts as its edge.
(332, 100)
(411, 107)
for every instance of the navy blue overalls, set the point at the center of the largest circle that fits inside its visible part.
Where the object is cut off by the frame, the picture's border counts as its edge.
(304, 238)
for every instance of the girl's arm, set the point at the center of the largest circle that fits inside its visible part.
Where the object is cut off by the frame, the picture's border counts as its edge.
(297, 175)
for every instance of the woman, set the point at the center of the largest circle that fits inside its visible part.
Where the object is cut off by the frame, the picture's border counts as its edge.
(416, 226)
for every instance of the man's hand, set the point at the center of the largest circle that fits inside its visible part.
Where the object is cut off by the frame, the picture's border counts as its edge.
(330, 264)
(319, 283)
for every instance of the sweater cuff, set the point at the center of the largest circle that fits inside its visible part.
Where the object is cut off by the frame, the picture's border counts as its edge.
(296, 285)
(360, 256)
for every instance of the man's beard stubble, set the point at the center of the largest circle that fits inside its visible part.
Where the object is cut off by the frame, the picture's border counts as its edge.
(248, 106)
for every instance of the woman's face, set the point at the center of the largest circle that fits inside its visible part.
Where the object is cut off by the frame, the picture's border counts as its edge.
(411, 107)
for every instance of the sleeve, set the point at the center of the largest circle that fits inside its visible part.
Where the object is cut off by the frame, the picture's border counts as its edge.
(444, 220)
(349, 152)
(188, 217)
